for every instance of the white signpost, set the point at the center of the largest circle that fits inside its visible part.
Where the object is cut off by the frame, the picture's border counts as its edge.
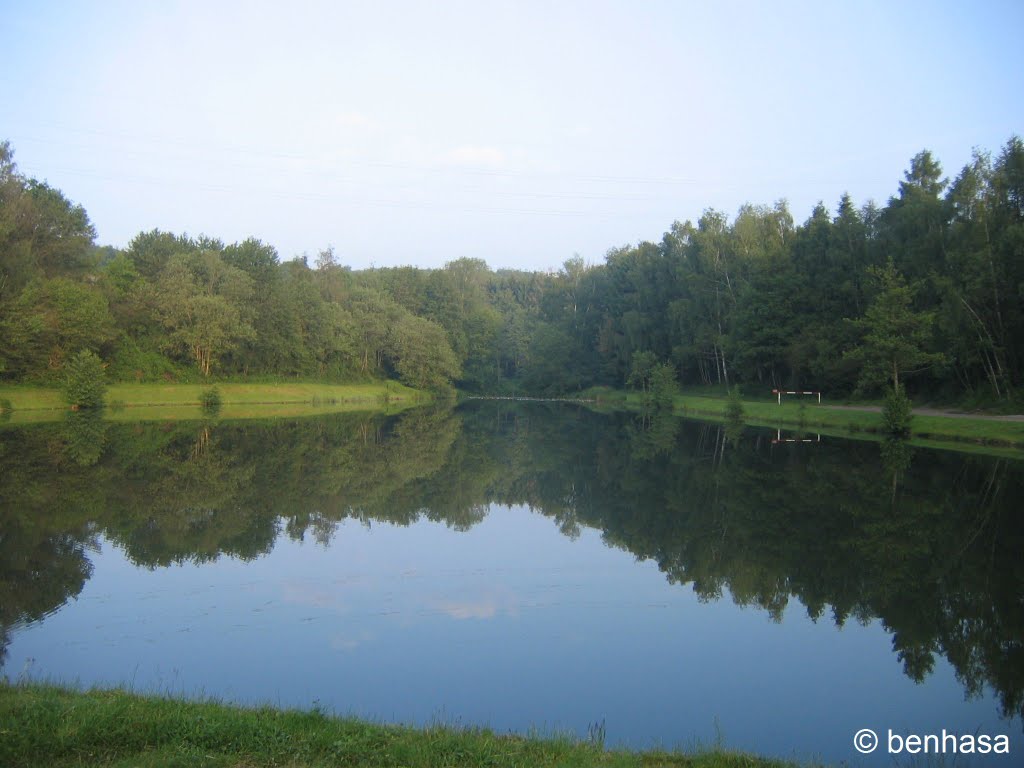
(781, 392)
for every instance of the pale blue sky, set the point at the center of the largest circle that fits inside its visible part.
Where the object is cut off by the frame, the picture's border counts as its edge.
(520, 133)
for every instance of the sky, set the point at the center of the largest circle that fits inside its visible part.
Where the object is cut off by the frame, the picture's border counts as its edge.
(520, 133)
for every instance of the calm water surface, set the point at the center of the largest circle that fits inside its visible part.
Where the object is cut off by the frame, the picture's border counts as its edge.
(525, 568)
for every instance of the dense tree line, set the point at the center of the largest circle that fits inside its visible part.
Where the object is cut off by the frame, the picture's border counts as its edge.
(931, 285)
(928, 290)
(173, 307)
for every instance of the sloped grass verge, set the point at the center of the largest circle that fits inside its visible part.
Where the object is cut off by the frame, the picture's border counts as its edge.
(47, 726)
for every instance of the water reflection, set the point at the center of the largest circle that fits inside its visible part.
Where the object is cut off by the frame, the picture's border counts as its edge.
(928, 542)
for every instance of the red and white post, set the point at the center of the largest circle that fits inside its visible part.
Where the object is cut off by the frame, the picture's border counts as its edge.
(780, 392)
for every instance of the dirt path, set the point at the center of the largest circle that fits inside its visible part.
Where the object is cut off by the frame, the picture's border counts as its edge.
(932, 412)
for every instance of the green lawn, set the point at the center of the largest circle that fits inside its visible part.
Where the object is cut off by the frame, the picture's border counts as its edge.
(51, 727)
(812, 416)
(141, 402)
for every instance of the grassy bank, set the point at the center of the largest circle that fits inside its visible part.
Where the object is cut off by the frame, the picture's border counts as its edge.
(142, 402)
(809, 416)
(53, 727)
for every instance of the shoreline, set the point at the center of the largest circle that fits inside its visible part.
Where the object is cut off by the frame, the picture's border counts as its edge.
(239, 400)
(937, 429)
(243, 400)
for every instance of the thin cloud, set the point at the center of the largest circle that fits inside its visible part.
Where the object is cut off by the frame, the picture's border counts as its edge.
(473, 156)
(355, 121)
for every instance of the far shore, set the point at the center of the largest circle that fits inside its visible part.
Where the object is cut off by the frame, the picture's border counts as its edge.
(947, 428)
(930, 426)
(239, 400)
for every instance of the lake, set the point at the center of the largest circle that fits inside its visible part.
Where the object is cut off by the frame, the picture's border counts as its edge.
(536, 568)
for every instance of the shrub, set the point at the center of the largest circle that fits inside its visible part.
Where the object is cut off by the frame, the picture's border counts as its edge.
(132, 362)
(734, 405)
(664, 387)
(210, 401)
(85, 384)
(896, 411)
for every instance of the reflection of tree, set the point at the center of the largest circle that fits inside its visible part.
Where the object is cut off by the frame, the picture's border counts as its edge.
(896, 457)
(653, 433)
(170, 493)
(42, 549)
(38, 576)
(935, 555)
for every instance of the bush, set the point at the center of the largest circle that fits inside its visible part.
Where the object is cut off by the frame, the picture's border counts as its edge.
(132, 362)
(664, 387)
(85, 383)
(210, 401)
(896, 411)
(734, 406)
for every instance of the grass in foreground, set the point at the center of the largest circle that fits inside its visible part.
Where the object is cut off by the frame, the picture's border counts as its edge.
(42, 725)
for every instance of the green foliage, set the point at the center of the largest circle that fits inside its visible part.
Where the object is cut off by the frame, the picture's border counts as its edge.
(896, 336)
(121, 275)
(850, 300)
(139, 360)
(734, 411)
(85, 383)
(897, 411)
(210, 401)
(664, 386)
(642, 369)
(204, 305)
(49, 320)
(422, 356)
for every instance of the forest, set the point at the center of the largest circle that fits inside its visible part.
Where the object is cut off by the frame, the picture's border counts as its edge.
(926, 291)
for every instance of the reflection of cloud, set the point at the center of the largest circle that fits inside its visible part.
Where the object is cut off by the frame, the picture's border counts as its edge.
(479, 610)
(486, 607)
(478, 157)
(344, 642)
(299, 593)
